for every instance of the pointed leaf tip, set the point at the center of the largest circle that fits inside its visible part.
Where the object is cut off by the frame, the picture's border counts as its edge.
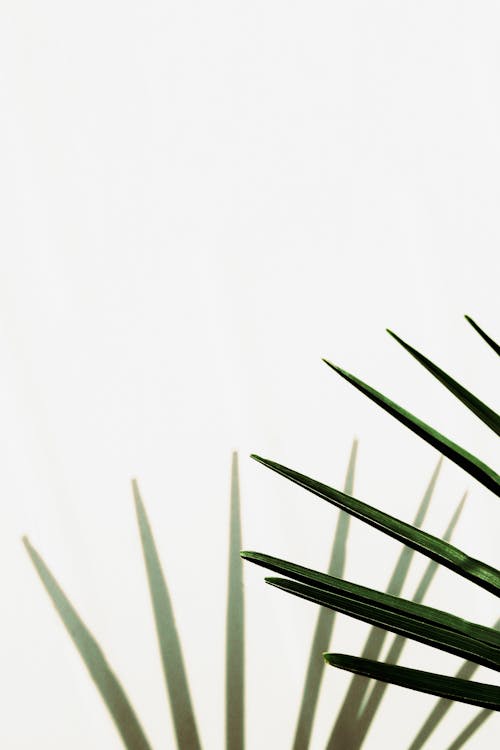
(470, 463)
(260, 459)
(334, 367)
(493, 344)
(475, 693)
(478, 407)
(397, 338)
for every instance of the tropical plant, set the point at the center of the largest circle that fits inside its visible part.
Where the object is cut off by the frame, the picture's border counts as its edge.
(176, 681)
(359, 707)
(477, 644)
(171, 653)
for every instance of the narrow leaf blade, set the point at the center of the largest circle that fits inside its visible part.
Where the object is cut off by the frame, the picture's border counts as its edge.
(107, 683)
(475, 693)
(168, 639)
(442, 706)
(440, 709)
(436, 636)
(488, 339)
(346, 730)
(442, 552)
(471, 464)
(393, 605)
(398, 643)
(480, 409)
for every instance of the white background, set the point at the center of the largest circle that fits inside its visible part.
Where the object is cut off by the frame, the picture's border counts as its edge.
(199, 201)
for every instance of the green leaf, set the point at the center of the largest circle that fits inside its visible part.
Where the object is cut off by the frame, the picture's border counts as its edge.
(168, 639)
(442, 552)
(428, 616)
(484, 335)
(442, 706)
(346, 729)
(476, 693)
(480, 409)
(470, 729)
(433, 566)
(235, 624)
(362, 609)
(324, 624)
(473, 465)
(101, 673)
(397, 645)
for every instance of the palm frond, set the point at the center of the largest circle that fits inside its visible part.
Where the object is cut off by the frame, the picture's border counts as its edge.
(377, 694)
(347, 729)
(442, 552)
(443, 705)
(475, 693)
(471, 464)
(478, 407)
(448, 639)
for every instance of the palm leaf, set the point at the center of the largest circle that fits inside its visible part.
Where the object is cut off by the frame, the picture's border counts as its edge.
(442, 552)
(107, 683)
(442, 706)
(364, 722)
(429, 616)
(484, 335)
(235, 646)
(473, 465)
(476, 693)
(324, 623)
(480, 409)
(444, 638)
(346, 727)
(168, 639)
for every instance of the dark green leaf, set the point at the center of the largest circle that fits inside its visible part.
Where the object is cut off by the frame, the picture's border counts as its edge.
(473, 465)
(324, 623)
(101, 673)
(428, 616)
(480, 409)
(396, 648)
(168, 639)
(443, 705)
(362, 609)
(235, 622)
(347, 730)
(484, 335)
(464, 691)
(442, 552)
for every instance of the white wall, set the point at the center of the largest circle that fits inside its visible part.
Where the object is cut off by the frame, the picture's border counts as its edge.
(201, 200)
